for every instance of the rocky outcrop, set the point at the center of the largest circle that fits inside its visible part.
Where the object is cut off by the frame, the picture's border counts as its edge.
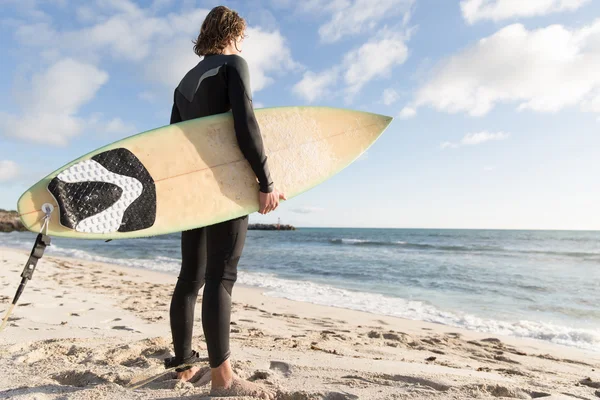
(271, 227)
(9, 221)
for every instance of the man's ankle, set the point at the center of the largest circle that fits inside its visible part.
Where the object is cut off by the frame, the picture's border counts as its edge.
(222, 376)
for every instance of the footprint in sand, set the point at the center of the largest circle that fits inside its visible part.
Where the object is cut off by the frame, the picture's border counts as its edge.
(138, 362)
(590, 383)
(78, 379)
(260, 375)
(253, 332)
(374, 335)
(505, 359)
(537, 395)
(412, 380)
(491, 340)
(503, 391)
(511, 372)
(282, 367)
(340, 396)
(124, 328)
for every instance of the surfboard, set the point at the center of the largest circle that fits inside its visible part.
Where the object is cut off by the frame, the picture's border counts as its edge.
(193, 174)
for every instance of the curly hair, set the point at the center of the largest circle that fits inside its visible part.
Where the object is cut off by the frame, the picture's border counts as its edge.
(220, 26)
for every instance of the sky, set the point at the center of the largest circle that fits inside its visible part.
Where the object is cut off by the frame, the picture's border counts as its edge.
(496, 103)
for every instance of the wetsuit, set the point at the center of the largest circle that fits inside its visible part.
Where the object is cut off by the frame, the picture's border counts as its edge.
(217, 84)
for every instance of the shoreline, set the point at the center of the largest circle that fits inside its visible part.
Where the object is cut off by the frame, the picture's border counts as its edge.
(86, 329)
(249, 292)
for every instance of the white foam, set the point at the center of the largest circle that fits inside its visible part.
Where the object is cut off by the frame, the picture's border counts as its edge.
(364, 241)
(368, 302)
(159, 263)
(416, 310)
(352, 241)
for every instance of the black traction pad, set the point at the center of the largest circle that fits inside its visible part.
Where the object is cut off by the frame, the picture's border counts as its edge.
(86, 198)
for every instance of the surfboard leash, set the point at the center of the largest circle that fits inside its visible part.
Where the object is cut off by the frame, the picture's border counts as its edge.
(137, 382)
(42, 240)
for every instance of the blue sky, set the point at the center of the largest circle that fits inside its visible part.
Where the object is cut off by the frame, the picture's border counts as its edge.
(496, 102)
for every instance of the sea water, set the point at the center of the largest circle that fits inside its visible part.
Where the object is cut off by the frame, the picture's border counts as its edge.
(534, 284)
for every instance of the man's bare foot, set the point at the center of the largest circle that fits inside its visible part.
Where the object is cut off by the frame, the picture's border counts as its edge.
(240, 387)
(188, 373)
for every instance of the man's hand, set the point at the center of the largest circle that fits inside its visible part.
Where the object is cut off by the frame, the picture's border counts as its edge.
(270, 201)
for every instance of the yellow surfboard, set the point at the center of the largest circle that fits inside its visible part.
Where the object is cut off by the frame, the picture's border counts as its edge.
(193, 174)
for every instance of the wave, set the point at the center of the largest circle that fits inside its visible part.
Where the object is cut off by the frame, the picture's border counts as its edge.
(415, 310)
(157, 263)
(378, 304)
(423, 246)
(461, 248)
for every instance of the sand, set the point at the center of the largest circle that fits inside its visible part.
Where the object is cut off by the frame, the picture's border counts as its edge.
(86, 330)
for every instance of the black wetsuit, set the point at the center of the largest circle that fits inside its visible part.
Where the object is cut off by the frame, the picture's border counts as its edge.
(218, 84)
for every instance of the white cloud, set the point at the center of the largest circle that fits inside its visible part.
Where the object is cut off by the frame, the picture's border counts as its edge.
(314, 86)
(86, 14)
(390, 96)
(354, 17)
(496, 10)
(125, 6)
(159, 4)
(118, 127)
(148, 96)
(114, 127)
(52, 103)
(544, 70)
(281, 3)
(9, 170)
(31, 9)
(407, 112)
(267, 53)
(374, 59)
(161, 46)
(177, 58)
(473, 139)
(258, 104)
(307, 210)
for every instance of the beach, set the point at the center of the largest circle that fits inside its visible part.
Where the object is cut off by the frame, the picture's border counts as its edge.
(87, 330)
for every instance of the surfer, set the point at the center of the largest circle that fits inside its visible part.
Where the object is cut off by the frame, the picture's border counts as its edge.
(220, 82)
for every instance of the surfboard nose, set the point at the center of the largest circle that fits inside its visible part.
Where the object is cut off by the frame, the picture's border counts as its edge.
(387, 120)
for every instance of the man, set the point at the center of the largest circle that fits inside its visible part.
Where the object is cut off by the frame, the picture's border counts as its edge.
(219, 83)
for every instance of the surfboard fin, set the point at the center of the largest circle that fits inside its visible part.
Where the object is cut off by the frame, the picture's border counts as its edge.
(170, 366)
(139, 381)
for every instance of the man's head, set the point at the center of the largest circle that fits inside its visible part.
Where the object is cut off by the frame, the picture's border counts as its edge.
(222, 32)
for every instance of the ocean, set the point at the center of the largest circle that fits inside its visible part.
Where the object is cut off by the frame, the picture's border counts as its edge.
(533, 284)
